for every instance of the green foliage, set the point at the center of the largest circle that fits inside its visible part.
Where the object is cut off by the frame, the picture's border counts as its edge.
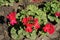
(17, 15)
(14, 34)
(34, 11)
(6, 2)
(50, 9)
(57, 19)
(52, 6)
(52, 18)
(33, 35)
(20, 33)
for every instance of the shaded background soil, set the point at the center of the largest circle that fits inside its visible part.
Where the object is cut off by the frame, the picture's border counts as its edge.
(4, 10)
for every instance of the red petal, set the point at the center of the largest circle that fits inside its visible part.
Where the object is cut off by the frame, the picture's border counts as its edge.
(12, 18)
(49, 28)
(29, 25)
(57, 14)
(24, 21)
(28, 29)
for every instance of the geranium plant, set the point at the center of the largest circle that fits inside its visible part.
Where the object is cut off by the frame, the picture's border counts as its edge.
(53, 10)
(8, 2)
(32, 21)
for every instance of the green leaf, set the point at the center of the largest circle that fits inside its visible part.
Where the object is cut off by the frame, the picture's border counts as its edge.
(13, 33)
(30, 13)
(6, 3)
(27, 34)
(51, 18)
(58, 9)
(33, 35)
(53, 5)
(20, 31)
(57, 20)
(33, 8)
(1, 0)
(11, 1)
(17, 15)
(23, 12)
(11, 4)
(42, 33)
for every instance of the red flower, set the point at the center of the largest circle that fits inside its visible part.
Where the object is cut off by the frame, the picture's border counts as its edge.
(31, 22)
(36, 24)
(29, 25)
(12, 18)
(50, 28)
(24, 21)
(28, 29)
(57, 14)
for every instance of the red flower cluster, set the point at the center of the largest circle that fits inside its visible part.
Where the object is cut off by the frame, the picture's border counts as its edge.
(30, 23)
(12, 18)
(49, 28)
(57, 14)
